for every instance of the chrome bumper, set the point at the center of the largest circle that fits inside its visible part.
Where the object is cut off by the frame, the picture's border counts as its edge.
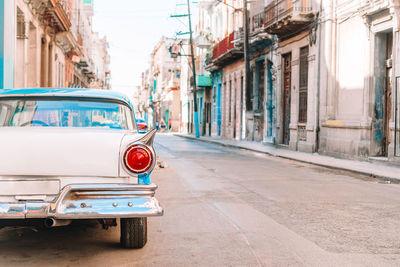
(90, 202)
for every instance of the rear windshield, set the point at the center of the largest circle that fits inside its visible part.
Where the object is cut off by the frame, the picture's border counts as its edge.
(65, 113)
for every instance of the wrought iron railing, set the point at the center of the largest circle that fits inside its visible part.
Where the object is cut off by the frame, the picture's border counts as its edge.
(224, 46)
(280, 9)
(257, 22)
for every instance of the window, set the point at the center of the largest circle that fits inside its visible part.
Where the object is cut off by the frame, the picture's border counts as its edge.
(241, 92)
(249, 92)
(21, 28)
(214, 109)
(201, 109)
(303, 90)
(30, 112)
(261, 81)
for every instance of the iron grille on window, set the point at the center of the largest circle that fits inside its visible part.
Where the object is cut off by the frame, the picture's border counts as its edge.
(303, 92)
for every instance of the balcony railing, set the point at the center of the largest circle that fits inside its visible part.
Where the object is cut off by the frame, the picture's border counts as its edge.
(224, 46)
(59, 15)
(280, 10)
(224, 52)
(257, 22)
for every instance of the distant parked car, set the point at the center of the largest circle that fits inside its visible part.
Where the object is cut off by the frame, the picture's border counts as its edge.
(68, 154)
(142, 125)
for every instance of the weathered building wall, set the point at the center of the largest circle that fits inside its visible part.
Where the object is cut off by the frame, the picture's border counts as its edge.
(232, 97)
(357, 114)
(37, 52)
(301, 128)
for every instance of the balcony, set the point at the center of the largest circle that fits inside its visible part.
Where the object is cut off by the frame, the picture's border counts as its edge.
(259, 39)
(174, 84)
(58, 15)
(283, 17)
(257, 22)
(224, 52)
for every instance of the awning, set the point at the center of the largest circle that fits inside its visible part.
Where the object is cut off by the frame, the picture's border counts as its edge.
(204, 81)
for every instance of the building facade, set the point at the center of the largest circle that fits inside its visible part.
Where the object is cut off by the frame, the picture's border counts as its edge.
(162, 80)
(53, 45)
(222, 24)
(360, 73)
(324, 76)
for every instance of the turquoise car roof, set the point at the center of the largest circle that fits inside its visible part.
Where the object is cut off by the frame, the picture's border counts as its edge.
(90, 93)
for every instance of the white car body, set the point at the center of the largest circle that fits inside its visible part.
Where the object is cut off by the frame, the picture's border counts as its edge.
(63, 174)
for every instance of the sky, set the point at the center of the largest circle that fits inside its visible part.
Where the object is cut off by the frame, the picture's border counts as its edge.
(133, 28)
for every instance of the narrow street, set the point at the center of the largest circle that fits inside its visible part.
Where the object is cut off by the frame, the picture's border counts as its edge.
(227, 207)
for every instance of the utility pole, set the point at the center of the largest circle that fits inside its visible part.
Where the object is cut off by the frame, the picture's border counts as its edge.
(246, 52)
(195, 109)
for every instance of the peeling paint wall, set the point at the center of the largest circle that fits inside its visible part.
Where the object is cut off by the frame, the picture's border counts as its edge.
(355, 69)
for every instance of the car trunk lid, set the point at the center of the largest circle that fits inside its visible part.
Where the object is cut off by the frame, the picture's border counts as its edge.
(59, 152)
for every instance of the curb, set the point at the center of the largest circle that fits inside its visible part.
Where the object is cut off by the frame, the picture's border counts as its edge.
(369, 174)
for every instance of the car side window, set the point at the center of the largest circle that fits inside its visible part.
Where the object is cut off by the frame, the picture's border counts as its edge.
(49, 112)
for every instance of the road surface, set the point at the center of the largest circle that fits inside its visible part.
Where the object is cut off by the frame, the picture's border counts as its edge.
(228, 207)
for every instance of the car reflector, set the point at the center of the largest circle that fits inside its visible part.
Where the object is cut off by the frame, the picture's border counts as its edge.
(138, 159)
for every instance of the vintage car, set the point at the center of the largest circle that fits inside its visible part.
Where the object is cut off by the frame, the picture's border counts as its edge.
(141, 125)
(72, 154)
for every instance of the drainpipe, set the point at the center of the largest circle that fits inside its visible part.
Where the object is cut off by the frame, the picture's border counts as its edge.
(317, 137)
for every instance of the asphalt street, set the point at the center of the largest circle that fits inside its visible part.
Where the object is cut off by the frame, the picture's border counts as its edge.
(229, 207)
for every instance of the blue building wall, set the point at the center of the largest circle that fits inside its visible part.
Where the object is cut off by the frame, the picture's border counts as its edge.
(7, 43)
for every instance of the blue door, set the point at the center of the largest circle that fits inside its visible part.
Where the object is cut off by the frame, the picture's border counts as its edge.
(219, 108)
(270, 104)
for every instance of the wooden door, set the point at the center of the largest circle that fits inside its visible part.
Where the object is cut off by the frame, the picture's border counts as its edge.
(234, 111)
(388, 93)
(287, 84)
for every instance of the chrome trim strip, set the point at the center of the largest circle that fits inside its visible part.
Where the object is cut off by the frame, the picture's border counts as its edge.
(12, 211)
(91, 202)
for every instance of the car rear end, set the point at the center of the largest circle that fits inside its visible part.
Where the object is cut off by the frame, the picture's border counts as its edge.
(54, 169)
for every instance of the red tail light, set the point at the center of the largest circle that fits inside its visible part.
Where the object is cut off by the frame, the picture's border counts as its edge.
(138, 159)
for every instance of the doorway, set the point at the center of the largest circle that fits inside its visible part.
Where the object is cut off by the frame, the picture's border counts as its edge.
(287, 84)
(383, 93)
(270, 103)
(234, 109)
(388, 92)
(259, 101)
(219, 108)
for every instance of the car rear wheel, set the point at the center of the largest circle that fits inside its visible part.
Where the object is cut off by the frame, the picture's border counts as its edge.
(133, 232)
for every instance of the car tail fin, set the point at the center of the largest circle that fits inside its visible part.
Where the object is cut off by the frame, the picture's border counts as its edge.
(148, 139)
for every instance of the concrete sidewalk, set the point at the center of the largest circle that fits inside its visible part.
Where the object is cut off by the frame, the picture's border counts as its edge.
(373, 169)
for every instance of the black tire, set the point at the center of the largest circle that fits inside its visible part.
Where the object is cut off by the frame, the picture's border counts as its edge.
(133, 232)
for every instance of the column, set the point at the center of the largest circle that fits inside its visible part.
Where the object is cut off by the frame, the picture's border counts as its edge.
(44, 68)
(7, 43)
